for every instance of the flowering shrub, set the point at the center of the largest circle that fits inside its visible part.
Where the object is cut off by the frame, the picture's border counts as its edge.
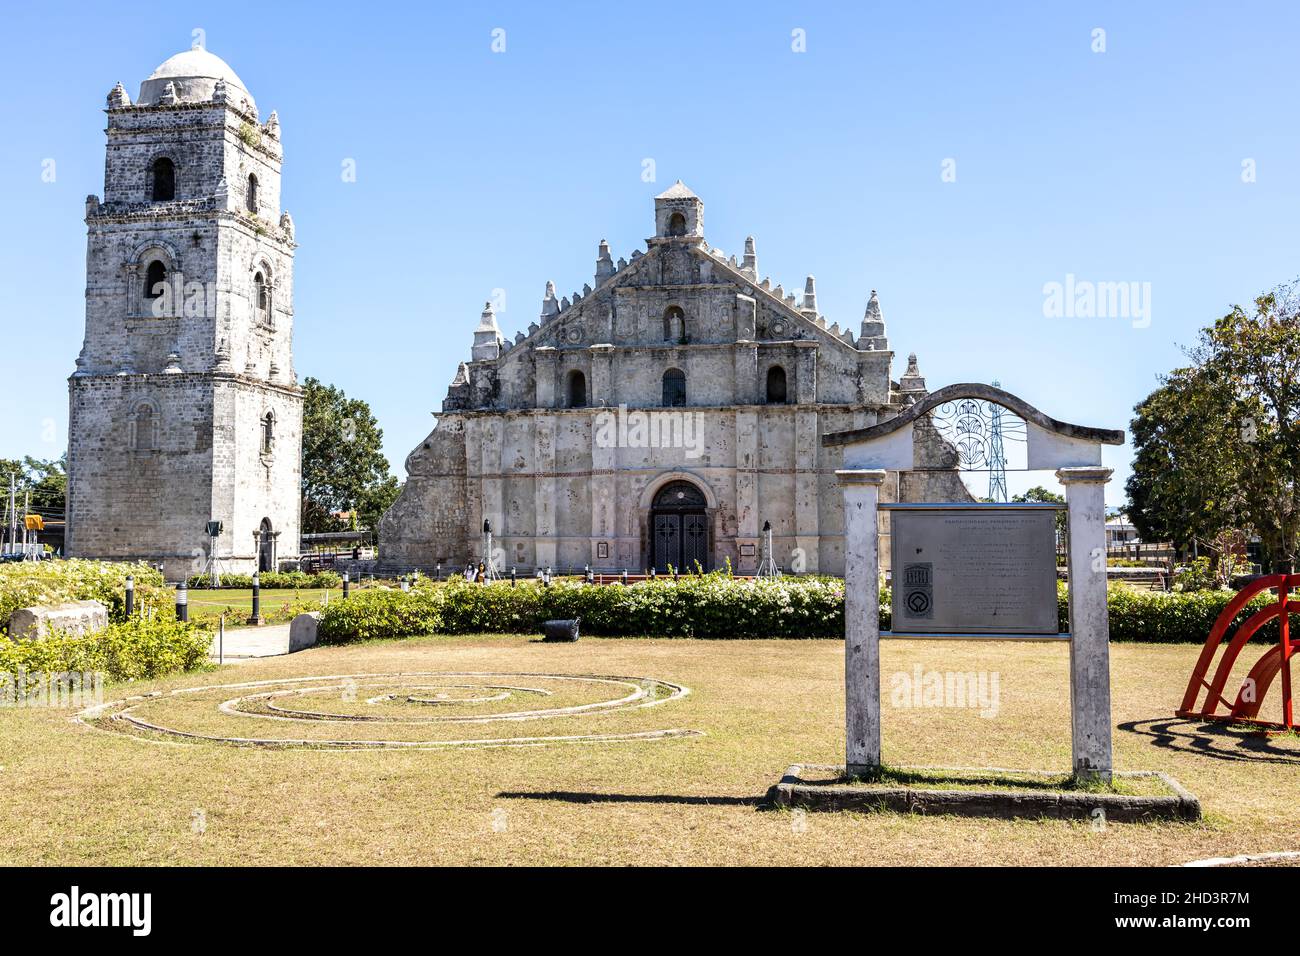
(33, 583)
(130, 650)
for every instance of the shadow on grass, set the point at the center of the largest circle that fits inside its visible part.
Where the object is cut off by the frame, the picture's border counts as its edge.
(571, 796)
(1216, 740)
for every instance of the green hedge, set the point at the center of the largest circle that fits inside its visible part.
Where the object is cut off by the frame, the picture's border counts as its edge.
(33, 583)
(379, 612)
(712, 606)
(709, 606)
(272, 580)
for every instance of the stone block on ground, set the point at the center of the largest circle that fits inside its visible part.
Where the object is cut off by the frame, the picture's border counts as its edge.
(302, 631)
(75, 618)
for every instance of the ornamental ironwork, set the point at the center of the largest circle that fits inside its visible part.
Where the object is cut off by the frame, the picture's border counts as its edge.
(978, 431)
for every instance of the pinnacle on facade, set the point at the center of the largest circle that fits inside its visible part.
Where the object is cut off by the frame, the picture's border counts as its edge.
(750, 261)
(117, 97)
(550, 304)
(912, 382)
(872, 335)
(487, 337)
(169, 96)
(809, 306)
(604, 263)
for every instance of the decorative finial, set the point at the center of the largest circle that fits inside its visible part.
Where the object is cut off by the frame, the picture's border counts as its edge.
(550, 305)
(810, 295)
(872, 335)
(604, 263)
(169, 97)
(219, 92)
(117, 97)
(750, 262)
(912, 383)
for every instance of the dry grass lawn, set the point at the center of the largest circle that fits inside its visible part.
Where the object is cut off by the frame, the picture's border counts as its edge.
(75, 794)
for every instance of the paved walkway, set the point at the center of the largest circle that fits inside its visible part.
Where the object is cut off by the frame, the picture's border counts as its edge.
(244, 644)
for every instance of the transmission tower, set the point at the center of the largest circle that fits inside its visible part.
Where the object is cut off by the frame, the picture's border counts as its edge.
(997, 455)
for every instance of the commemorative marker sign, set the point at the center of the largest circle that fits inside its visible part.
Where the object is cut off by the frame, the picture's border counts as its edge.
(982, 569)
(976, 572)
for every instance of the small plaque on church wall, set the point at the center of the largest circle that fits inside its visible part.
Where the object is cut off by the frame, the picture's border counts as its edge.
(746, 550)
(978, 570)
(602, 549)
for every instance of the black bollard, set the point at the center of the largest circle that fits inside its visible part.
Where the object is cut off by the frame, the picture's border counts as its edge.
(256, 616)
(182, 602)
(652, 574)
(439, 577)
(512, 576)
(346, 588)
(130, 596)
(625, 577)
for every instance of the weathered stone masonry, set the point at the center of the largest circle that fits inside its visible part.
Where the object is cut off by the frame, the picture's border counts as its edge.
(540, 437)
(184, 405)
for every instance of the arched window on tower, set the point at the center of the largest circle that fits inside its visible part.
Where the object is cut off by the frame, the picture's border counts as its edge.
(674, 324)
(577, 389)
(776, 385)
(145, 437)
(155, 278)
(164, 180)
(268, 433)
(250, 194)
(262, 299)
(676, 224)
(674, 387)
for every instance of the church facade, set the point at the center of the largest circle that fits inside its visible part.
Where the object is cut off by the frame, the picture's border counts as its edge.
(659, 418)
(184, 406)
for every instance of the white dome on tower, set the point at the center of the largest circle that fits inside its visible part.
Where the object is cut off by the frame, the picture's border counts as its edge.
(193, 75)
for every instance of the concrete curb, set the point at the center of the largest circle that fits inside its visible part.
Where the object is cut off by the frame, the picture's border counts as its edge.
(796, 790)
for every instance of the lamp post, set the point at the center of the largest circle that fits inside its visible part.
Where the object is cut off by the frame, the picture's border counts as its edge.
(489, 571)
(130, 596)
(767, 567)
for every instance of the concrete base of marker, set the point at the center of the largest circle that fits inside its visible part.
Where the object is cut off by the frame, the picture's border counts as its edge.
(805, 786)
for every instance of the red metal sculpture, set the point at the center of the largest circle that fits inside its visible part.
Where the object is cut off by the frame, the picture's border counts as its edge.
(1245, 708)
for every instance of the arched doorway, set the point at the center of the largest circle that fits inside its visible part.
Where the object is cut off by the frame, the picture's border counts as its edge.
(265, 547)
(679, 528)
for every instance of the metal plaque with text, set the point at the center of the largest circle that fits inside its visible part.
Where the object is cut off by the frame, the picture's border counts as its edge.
(978, 570)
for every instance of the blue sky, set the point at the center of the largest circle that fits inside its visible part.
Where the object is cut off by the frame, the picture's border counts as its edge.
(479, 170)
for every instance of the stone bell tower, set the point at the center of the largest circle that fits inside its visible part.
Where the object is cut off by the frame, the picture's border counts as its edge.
(184, 407)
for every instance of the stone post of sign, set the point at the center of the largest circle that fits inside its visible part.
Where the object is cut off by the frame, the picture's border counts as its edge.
(1089, 620)
(861, 619)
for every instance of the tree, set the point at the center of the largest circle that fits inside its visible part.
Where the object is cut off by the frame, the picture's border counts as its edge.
(47, 482)
(1183, 487)
(343, 466)
(1039, 494)
(1218, 444)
